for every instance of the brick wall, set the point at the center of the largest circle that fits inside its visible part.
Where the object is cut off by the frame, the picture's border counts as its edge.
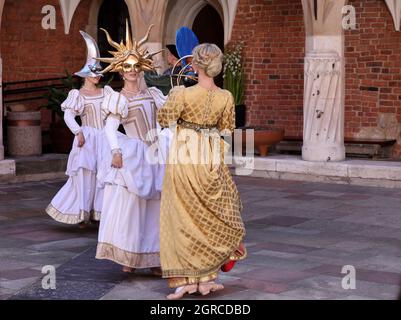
(29, 52)
(373, 68)
(274, 34)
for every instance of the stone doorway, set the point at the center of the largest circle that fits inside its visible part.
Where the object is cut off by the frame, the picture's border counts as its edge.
(209, 27)
(112, 17)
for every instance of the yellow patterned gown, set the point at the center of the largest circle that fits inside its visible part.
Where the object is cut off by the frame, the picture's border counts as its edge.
(200, 220)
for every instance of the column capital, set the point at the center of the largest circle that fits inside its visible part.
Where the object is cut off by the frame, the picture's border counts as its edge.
(145, 13)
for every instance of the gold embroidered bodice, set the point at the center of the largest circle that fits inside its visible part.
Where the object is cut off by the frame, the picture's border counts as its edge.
(91, 115)
(199, 106)
(141, 119)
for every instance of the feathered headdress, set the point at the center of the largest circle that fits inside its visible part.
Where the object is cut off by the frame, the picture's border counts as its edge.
(129, 56)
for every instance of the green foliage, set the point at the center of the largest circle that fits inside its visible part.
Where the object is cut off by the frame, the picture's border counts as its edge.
(56, 96)
(234, 72)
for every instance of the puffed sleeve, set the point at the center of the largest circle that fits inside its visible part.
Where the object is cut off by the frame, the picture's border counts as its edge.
(74, 102)
(227, 120)
(116, 104)
(158, 96)
(171, 111)
(108, 90)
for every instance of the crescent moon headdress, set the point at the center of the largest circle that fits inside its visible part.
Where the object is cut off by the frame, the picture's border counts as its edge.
(129, 55)
(92, 66)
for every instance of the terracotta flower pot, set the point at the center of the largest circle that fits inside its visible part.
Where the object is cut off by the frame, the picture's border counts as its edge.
(264, 137)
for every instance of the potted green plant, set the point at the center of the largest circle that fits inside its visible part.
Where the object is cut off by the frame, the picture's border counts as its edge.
(234, 79)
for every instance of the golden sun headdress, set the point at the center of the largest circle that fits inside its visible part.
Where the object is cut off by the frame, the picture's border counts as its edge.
(129, 56)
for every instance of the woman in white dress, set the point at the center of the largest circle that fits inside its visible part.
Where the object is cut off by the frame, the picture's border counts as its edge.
(80, 200)
(129, 229)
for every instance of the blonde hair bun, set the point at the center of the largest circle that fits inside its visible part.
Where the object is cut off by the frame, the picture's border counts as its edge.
(208, 57)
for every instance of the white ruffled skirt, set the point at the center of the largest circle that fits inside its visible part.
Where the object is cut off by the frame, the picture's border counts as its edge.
(129, 229)
(80, 199)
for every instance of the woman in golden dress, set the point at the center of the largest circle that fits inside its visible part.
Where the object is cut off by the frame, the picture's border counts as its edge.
(201, 228)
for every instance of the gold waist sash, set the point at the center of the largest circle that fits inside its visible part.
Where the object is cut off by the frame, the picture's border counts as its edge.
(195, 126)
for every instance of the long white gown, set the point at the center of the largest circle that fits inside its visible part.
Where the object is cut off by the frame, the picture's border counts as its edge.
(129, 229)
(80, 199)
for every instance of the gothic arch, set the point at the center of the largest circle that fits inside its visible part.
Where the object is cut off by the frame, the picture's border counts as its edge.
(395, 9)
(183, 13)
(68, 8)
(92, 27)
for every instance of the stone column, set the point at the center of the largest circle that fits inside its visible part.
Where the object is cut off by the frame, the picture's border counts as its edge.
(324, 90)
(142, 15)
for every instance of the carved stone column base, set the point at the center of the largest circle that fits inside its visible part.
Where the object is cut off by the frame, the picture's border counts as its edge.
(324, 88)
(323, 152)
(7, 169)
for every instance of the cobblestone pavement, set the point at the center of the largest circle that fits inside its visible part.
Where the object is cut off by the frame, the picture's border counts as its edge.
(299, 237)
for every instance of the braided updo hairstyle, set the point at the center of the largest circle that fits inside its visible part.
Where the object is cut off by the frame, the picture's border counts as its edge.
(208, 57)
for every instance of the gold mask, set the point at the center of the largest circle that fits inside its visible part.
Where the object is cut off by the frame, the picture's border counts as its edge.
(129, 56)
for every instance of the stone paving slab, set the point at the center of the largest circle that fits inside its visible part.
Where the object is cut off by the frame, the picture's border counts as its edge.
(299, 236)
